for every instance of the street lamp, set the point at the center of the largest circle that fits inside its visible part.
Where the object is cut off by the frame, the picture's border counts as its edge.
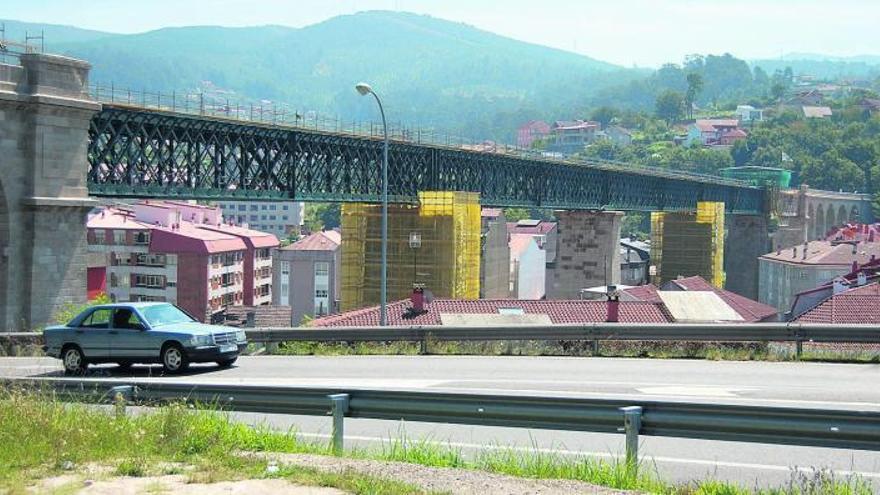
(415, 242)
(364, 89)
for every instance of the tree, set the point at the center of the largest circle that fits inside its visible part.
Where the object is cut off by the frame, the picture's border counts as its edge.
(695, 85)
(778, 91)
(603, 115)
(516, 214)
(669, 106)
(320, 216)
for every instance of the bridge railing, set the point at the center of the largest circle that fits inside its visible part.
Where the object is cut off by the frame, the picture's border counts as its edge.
(280, 114)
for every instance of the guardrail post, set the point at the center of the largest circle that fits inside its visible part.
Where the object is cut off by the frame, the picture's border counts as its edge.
(595, 350)
(798, 348)
(121, 395)
(338, 407)
(632, 423)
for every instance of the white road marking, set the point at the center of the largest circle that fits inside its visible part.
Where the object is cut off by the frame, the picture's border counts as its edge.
(607, 455)
(694, 390)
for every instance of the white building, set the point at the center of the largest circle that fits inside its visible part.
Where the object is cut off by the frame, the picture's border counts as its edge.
(275, 217)
(748, 113)
(528, 267)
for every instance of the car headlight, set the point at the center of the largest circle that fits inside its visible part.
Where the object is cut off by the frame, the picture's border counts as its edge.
(200, 340)
(241, 336)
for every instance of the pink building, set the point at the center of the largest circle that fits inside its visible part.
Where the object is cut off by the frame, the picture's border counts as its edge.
(180, 253)
(531, 131)
(715, 132)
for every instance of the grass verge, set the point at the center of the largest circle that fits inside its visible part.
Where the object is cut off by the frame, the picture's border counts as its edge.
(43, 437)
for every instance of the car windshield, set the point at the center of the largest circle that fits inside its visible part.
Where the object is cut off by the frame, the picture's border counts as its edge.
(164, 314)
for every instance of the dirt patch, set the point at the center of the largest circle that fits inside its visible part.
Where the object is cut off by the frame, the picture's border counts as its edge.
(174, 484)
(451, 480)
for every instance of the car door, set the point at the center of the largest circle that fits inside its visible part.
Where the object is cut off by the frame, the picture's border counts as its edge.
(128, 336)
(93, 334)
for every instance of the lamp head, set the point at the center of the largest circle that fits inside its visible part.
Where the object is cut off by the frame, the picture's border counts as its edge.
(363, 88)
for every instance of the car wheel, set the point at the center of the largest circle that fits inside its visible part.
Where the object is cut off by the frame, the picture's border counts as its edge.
(74, 361)
(174, 359)
(225, 363)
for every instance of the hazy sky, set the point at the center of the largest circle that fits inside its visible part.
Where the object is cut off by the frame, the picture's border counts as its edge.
(627, 32)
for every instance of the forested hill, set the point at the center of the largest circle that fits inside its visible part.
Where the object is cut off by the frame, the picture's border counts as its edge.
(428, 70)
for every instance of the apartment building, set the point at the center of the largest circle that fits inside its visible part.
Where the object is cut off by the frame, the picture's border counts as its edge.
(307, 275)
(275, 217)
(180, 253)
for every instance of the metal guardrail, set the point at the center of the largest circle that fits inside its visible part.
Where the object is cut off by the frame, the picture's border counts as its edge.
(758, 424)
(597, 332)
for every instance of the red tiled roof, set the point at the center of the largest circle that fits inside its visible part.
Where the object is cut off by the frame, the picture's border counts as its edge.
(559, 312)
(647, 293)
(853, 306)
(319, 241)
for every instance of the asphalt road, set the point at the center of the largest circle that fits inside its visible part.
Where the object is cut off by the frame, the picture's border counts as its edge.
(847, 386)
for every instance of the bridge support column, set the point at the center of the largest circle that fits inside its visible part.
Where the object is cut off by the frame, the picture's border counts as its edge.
(689, 244)
(587, 253)
(748, 237)
(44, 120)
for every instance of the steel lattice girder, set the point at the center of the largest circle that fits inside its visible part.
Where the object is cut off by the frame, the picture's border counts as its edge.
(138, 153)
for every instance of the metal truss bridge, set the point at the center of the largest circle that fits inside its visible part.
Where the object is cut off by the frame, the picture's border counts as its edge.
(135, 152)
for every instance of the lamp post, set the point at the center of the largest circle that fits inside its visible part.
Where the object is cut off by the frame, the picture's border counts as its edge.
(415, 242)
(364, 89)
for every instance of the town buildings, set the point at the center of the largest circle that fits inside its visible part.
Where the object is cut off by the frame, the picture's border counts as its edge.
(787, 272)
(748, 114)
(276, 217)
(530, 132)
(180, 253)
(571, 136)
(714, 132)
(618, 135)
(306, 275)
(853, 298)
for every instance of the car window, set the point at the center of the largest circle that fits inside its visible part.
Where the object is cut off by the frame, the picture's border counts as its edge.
(125, 318)
(164, 314)
(100, 318)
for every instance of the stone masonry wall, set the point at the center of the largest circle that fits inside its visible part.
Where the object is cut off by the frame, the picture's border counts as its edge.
(587, 253)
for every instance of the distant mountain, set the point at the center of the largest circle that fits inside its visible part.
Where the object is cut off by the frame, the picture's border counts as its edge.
(428, 70)
(824, 66)
(55, 35)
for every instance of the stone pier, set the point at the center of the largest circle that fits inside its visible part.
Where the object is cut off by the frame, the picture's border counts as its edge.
(587, 253)
(45, 112)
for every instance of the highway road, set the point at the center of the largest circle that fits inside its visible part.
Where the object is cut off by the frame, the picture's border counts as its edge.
(821, 385)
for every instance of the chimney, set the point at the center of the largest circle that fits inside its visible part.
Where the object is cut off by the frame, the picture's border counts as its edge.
(855, 266)
(613, 306)
(418, 299)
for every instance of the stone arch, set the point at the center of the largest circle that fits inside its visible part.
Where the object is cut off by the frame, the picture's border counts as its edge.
(811, 222)
(842, 217)
(4, 258)
(821, 228)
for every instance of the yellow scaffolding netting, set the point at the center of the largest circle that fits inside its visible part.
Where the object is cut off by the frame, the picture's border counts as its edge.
(687, 244)
(446, 262)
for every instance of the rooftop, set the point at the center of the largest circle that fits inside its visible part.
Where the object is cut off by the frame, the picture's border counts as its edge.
(859, 305)
(816, 112)
(327, 240)
(535, 227)
(827, 253)
(559, 312)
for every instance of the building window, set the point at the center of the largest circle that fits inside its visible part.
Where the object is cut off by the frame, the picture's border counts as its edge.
(100, 236)
(119, 237)
(322, 288)
(262, 217)
(271, 217)
(272, 207)
(322, 269)
(264, 207)
(149, 281)
(151, 260)
(284, 217)
(142, 238)
(262, 254)
(254, 218)
(254, 207)
(242, 208)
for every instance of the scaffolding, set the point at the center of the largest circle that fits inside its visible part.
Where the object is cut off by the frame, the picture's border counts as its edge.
(446, 262)
(687, 244)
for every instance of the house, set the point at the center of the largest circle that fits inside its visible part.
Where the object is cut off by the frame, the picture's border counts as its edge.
(724, 306)
(859, 276)
(306, 275)
(714, 132)
(786, 273)
(811, 112)
(571, 136)
(846, 305)
(618, 135)
(748, 113)
(810, 97)
(870, 105)
(531, 131)
(528, 267)
(634, 259)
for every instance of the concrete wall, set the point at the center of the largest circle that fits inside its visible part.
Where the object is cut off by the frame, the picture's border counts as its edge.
(495, 259)
(748, 238)
(778, 282)
(587, 253)
(44, 120)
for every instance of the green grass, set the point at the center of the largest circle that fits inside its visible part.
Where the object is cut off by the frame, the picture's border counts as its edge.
(43, 436)
(657, 350)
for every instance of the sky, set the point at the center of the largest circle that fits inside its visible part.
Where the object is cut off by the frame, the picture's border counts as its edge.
(645, 33)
